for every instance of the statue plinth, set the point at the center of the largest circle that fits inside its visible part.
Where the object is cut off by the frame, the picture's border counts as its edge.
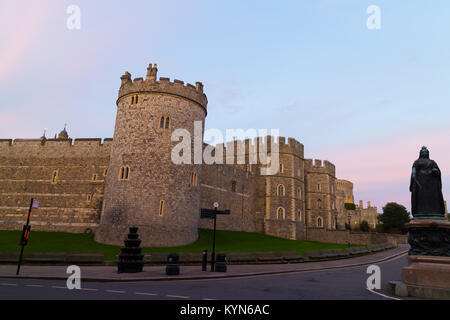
(428, 272)
(429, 237)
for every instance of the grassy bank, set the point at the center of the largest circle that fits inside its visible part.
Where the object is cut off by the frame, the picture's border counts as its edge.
(226, 241)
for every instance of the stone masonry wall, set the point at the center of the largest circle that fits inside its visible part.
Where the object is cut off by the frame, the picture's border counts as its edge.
(72, 203)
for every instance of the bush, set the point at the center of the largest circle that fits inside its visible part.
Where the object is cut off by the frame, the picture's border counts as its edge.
(347, 226)
(349, 206)
(364, 226)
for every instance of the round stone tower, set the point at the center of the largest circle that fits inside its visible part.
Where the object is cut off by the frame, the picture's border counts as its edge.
(144, 187)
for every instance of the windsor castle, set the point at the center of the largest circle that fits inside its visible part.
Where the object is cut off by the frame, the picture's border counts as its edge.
(106, 186)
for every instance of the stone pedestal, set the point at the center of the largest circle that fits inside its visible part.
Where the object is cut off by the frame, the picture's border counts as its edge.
(429, 237)
(428, 272)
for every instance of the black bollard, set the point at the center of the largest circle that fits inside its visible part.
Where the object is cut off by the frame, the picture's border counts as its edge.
(173, 267)
(221, 263)
(131, 258)
(204, 260)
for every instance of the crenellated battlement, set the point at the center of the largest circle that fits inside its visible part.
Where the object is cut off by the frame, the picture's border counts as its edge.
(259, 144)
(55, 147)
(250, 148)
(319, 166)
(164, 85)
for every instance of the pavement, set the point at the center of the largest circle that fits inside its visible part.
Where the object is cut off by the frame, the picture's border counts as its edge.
(157, 273)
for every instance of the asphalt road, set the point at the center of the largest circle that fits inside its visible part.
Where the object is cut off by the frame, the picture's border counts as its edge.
(348, 283)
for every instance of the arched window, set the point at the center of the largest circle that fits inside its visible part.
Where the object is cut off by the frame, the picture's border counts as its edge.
(124, 173)
(161, 208)
(164, 122)
(132, 100)
(281, 213)
(233, 186)
(299, 193)
(167, 122)
(194, 179)
(281, 190)
(136, 99)
(299, 215)
(55, 176)
(319, 222)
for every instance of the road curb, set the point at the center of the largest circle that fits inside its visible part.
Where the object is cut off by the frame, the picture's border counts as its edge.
(214, 277)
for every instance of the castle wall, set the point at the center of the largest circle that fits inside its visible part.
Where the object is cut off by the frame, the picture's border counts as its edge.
(217, 186)
(72, 203)
(346, 236)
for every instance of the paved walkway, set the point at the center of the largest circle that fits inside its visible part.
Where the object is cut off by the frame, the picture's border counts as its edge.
(157, 273)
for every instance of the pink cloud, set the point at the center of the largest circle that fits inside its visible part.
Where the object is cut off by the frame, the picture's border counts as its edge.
(23, 21)
(381, 170)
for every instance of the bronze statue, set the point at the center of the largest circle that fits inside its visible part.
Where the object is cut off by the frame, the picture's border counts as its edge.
(427, 201)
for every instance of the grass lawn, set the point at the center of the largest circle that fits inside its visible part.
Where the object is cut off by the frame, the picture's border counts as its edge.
(226, 241)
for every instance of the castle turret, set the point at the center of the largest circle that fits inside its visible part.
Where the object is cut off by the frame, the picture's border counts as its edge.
(144, 188)
(321, 209)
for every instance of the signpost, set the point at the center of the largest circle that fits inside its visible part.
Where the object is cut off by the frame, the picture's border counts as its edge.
(26, 232)
(212, 214)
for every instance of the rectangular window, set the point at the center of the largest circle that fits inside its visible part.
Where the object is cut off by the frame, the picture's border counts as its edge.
(161, 208)
(55, 176)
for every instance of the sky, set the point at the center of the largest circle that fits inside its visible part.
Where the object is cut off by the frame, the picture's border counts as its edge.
(365, 99)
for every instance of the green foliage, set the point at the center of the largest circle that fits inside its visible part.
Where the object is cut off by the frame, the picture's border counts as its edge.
(364, 226)
(394, 217)
(347, 226)
(226, 241)
(379, 228)
(349, 206)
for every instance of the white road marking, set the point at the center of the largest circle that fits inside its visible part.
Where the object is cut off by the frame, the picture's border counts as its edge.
(115, 291)
(34, 285)
(208, 299)
(383, 295)
(8, 284)
(146, 294)
(87, 289)
(180, 297)
(56, 287)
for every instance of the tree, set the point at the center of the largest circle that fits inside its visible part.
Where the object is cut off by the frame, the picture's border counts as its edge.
(394, 217)
(364, 226)
(379, 228)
